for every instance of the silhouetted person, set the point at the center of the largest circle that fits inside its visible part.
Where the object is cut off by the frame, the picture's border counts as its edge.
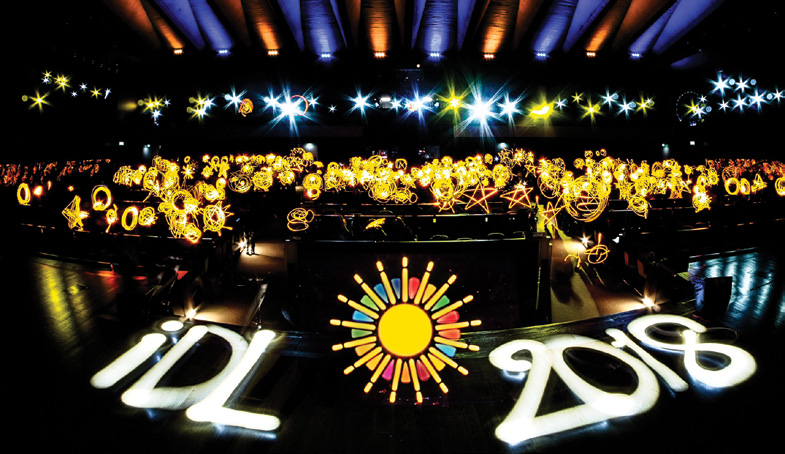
(250, 245)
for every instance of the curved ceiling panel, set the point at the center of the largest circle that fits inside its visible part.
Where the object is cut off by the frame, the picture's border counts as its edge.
(497, 25)
(438, 26)
(686, 16)
(379, 21)
(586, 12)
(322, 31)
(210, 26)
(261, 17)
(425, 26)
(232, 11)
(607, 26)
(554, 26)
(181, 15)
(640, 13)
(646, 40)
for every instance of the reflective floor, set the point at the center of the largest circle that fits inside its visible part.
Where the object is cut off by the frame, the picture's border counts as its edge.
(70, 320)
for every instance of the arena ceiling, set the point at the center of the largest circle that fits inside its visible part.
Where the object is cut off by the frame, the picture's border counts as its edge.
(525, 30)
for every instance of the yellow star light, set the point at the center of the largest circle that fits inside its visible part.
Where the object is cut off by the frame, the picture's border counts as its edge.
(479, 197)
(518, 196)
(74, 214)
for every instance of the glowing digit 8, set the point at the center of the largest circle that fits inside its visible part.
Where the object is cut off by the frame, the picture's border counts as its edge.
(739, 367)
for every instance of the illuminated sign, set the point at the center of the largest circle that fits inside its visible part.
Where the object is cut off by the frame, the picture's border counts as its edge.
(523, 422)
(203, 402)
(405, 329)
(523, 360)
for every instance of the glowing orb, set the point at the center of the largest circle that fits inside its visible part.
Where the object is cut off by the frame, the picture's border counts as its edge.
(405, 330)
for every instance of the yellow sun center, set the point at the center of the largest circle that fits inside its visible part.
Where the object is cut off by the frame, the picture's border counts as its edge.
(405, 330)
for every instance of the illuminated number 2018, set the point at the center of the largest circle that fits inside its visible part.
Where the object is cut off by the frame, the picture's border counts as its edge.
(523, 424)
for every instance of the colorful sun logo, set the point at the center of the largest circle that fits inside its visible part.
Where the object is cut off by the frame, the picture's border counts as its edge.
(405, 330)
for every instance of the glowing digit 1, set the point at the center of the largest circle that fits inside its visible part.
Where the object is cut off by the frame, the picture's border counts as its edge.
(673, 380)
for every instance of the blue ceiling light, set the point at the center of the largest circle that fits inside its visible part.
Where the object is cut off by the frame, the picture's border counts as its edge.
(323, 34)
(211, 27)
(554, 27)
(437, 31)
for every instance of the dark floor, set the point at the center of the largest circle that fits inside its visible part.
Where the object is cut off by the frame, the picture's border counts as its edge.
(70, 320)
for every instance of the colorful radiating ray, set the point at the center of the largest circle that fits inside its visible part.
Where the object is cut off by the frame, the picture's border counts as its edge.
(433, 320)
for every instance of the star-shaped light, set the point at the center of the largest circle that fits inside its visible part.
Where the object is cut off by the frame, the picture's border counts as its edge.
(756, 99)
(720, 84)
(518, 196)
(37, 101)
(739, 103)
(550, 212)
(742, 85)
(479, 197)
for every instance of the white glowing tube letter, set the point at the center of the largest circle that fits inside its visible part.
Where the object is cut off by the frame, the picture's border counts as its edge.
(522, 423)
(128, 361)
(739, 367)
(144, 393)
(213, 409)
